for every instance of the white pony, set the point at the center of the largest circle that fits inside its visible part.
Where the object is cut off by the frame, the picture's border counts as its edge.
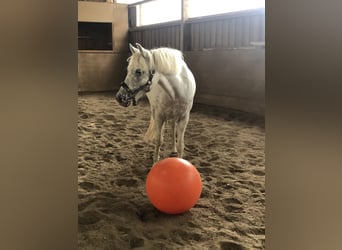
(170, 87)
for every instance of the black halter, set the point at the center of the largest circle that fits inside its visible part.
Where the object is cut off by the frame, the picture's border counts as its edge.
(145, 87)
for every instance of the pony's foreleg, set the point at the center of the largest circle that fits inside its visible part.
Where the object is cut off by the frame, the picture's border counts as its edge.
(181, 126)
(158, 139)
(150, 133)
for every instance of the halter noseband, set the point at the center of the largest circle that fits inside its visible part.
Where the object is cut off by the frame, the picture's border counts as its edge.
(132, 92)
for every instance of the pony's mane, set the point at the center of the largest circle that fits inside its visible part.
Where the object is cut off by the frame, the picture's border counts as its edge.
(167, 60)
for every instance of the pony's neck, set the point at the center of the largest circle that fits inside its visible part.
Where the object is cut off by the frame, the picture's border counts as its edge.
(152, 66)
(166, 61)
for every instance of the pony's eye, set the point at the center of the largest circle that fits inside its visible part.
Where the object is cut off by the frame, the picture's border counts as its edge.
(138, 72)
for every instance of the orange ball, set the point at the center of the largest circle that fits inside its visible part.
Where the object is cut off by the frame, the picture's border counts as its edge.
(173, 185)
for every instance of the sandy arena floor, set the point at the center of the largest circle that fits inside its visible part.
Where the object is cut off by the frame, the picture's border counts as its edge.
(227, 147)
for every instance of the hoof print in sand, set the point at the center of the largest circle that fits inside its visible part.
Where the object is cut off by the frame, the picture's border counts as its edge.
(258, 230)
(181, 236)
(135, 242)
(227, 245)
(107, 157)
(85, 115)
(205, 193)
(233, 208)
(138, 146)
(128, 182)
(173, 154)
(236, 170)
(89, 158)
(214, 158)
(205, 170)
(224, 185)
(88, 218)
(88, 186)
(120, 158)
(148, 213)
(258, 173)
(232, 201)
(109, 117)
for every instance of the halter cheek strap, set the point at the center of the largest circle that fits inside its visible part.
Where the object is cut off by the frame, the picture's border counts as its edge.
(149, 81)
(145, 87)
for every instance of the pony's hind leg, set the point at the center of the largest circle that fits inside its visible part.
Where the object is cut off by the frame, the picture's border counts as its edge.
(174, 134)
(159, 125)
(181, 126)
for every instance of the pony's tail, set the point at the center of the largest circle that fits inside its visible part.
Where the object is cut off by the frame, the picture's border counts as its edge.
(150, 133)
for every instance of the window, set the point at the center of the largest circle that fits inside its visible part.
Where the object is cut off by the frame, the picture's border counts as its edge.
(95, 36)
(198, 8)
(128, 1)
(158, 12)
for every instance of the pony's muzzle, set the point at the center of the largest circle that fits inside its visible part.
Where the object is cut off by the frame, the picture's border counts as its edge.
(123, 99)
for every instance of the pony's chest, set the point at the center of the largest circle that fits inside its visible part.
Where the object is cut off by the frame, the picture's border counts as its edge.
(169, 97)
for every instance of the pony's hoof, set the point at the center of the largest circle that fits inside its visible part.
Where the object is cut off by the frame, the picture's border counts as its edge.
(173, 154)
(155, 159)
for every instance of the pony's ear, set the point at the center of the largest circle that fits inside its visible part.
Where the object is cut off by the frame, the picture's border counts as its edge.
(144, 52)
(133, 50)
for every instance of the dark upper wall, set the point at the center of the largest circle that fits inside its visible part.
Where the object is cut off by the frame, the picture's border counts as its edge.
(223, 31)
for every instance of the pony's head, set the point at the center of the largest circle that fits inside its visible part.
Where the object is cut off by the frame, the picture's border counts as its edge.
(138, 78)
